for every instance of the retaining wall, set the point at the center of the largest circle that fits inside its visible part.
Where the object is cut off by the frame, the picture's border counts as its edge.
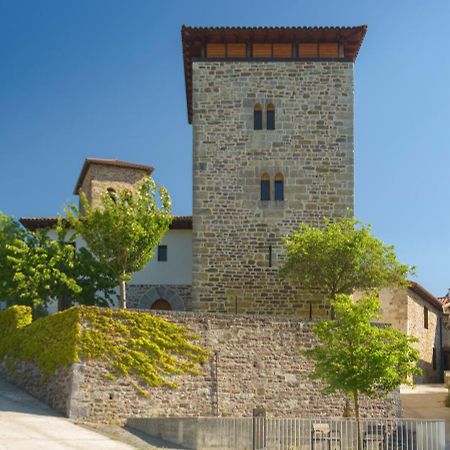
(255, 362)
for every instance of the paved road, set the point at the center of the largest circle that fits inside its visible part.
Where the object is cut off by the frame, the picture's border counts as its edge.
(26, 423)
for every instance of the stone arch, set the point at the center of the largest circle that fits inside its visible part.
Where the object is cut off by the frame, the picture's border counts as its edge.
(161, 293)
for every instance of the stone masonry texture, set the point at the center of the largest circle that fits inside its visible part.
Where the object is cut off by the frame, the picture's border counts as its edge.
(311, 146)
(55, 389)
(142, 296)
(255, 362)
(404, 309)
(101, 177)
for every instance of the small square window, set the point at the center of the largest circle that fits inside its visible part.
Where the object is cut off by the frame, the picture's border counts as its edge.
(162, 252)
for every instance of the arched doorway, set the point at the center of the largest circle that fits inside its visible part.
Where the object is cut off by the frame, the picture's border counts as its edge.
(150, 300)
(161, 304)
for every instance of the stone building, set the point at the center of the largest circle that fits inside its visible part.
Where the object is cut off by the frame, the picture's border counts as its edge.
(272, 121)
(165, 282)
(418, 313)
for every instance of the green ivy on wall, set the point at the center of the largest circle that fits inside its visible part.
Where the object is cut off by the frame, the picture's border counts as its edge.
(131, 343)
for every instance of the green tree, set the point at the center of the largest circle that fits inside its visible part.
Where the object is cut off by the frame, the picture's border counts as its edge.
(42, 269)
(124, 231)
(36, 269)
(340, 258)
(97, 283)
(356, 356)
(10, 231)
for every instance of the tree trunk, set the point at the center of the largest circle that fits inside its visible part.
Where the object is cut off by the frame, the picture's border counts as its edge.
(123, 294)
(358, 424)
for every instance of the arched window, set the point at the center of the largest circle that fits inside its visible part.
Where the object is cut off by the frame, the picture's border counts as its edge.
(279, 187)
(162, 305)
(257, 117)
(265, 187)
(270, 117)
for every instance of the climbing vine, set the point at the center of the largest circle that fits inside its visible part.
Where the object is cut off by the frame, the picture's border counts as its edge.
(130, 343)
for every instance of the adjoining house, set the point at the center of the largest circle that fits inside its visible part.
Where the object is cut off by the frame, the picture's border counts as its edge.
(418, 313)
(165, 282)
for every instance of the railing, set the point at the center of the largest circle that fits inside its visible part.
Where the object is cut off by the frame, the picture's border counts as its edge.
(261, 433)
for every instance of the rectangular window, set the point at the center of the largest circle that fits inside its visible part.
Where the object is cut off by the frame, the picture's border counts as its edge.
(425, 317)
(162, 252)
(270, 256)
(265, 189)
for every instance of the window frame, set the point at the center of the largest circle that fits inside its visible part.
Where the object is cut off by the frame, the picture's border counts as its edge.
(257, 117)
(162, 253)
(279, 181)
(265, 187)
(270, 117)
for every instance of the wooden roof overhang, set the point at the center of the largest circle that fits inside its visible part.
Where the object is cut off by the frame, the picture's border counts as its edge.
(194, 40)
(37, 223)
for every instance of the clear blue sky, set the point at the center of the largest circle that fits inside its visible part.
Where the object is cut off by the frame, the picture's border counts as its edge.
(105, 79)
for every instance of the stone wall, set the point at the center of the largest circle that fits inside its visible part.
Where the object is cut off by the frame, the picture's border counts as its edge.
(55, 390)
(256, 362)
(312, 147)
(394, 308)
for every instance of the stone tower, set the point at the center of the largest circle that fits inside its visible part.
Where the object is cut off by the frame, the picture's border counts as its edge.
(99, 176)
(272, 119)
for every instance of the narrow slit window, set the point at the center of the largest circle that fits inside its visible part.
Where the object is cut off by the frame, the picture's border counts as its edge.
(270, 256)
(265, 187)
(425, 317)
(270, 112)
(257, 117)
(279, 187)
